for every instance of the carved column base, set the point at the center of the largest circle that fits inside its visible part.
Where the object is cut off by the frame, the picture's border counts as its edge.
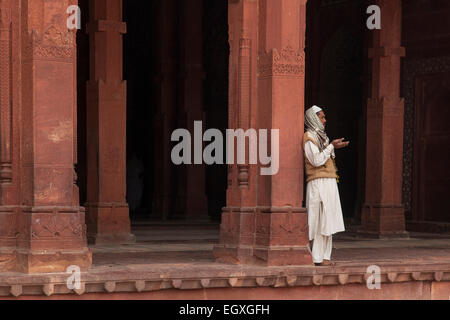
(264, 236)
(52, 261)
(8, 227)
(50, 239)
(7, 259)
(8, 233)
(109, 224)
(283, 256)
(282, 237)
(234, 254)
(236, 236)
(383, 221)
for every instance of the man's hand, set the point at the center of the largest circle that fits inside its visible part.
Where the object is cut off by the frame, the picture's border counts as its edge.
(339, 143)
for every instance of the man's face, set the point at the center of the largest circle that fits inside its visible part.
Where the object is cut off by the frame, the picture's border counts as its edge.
(321, 116)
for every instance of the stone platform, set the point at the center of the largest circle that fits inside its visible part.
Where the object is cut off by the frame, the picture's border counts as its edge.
(176, 262)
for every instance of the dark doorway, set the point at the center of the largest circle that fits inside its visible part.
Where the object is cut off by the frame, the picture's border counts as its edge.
(337, 80)
(432, 149)
(154, 62)
(340, 95)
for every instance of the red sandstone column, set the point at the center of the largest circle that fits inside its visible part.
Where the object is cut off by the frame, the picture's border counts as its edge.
(51, 232)
(9, 173)
(238, 218)
(265, 224)
(107, 210)
(5, 100)
(383, 212)
(281, 224)
(192, 192)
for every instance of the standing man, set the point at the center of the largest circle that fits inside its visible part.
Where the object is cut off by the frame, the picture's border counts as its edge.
(322, 196)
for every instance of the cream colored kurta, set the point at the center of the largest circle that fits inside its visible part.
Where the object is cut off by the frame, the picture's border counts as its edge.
(322, 196)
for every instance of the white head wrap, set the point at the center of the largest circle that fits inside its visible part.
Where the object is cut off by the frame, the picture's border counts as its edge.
(316, 109)
(316, 128)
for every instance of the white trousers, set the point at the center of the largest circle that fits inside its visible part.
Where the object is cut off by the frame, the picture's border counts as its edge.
(322, 245)
(321, 248)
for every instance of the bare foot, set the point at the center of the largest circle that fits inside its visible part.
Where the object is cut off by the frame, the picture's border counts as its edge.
(325, 263)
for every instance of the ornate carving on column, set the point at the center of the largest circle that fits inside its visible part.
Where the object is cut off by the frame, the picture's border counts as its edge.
(284, 63)
(383, 212)
(55, 44)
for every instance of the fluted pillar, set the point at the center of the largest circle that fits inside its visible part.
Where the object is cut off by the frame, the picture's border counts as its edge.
(5, 100)
(9, 173)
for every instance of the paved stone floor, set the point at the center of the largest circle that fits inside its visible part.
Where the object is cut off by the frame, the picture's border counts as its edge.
(184, 244)
(173, 256)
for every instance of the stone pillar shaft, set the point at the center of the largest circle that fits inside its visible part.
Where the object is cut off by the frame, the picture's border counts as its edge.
(9, 111)
(51, 231)
(383, 213)
(281, 227)
(238, 218)
(264, 222)
(108, 213)
(5, 99)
